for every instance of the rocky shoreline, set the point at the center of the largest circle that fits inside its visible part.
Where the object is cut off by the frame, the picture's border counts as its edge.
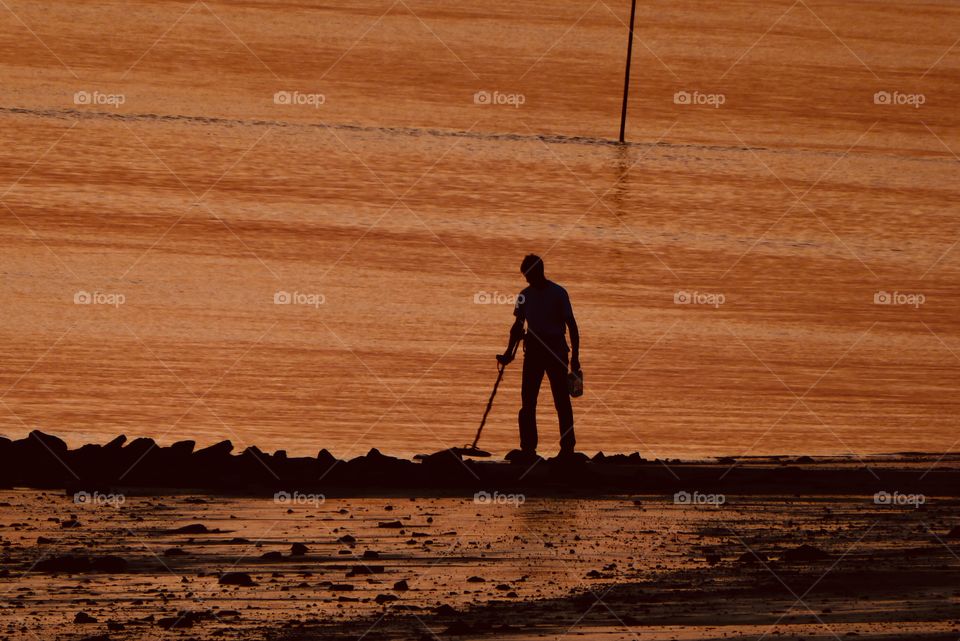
(45, 461)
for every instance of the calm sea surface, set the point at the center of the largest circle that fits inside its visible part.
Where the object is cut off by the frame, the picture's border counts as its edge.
(299, 225)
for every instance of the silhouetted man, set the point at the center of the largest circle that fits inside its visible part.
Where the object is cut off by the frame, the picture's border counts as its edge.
(545, 308)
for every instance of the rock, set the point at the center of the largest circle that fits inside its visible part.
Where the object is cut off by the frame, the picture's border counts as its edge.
(49, 442)
(367, 569)
(370, 554)
(116, 444)
(83, 617)
(458, 627)
(385, 598)
(401, 585)
(220, 449)
(183, 447)
(476, 579)
(236, 578)
(271, 556)
(65, 563)
(77, 564)
(390, 524)
(137, 448)
(108, 563)
(325, 459)
(174, 552)
(341, 587)
(177, 622)
(444, 463)
(298, 549)
(193, 528)
(749, 558)
(805, 553)
(347, 538)
(184, 619)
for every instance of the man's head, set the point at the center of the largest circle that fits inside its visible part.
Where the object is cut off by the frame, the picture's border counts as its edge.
(532, 269)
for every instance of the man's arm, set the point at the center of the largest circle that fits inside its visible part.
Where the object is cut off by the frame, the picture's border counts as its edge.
(574, 343)
(574, 333)
(516, 335)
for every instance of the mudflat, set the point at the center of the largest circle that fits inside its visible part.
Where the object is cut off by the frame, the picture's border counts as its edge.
(515, 567)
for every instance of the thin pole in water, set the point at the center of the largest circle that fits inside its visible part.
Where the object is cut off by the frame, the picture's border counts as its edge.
(626, 77)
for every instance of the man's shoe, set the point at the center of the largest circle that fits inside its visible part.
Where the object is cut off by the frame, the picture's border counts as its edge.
(569, 455)
(522, 457)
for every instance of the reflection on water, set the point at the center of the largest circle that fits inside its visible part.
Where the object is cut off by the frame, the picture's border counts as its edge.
(208, 211)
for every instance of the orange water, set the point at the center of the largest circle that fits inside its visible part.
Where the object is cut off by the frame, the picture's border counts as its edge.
(399, 199)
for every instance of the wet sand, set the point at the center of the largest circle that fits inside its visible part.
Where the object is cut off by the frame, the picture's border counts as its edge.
(614, 568)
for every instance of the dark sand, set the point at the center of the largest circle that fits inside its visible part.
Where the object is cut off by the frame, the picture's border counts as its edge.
(617, 568)
(385, 548)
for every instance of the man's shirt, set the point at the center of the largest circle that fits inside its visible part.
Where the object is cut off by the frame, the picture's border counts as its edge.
(547, 310)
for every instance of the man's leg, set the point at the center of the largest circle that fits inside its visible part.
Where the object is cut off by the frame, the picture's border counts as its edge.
(529, 390)
(557, 373)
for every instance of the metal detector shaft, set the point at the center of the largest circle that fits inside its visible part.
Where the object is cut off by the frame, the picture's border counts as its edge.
(486, 412)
